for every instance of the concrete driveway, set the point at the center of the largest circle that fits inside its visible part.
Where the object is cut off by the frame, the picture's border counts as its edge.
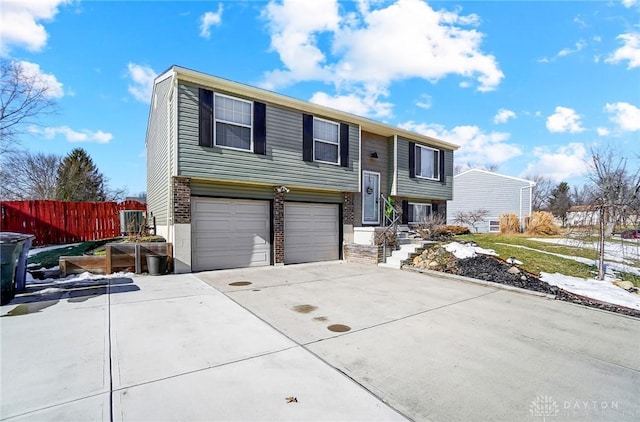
(442, 350)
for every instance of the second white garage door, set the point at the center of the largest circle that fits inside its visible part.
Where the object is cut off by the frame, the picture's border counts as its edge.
(229, 233)
(311, 232)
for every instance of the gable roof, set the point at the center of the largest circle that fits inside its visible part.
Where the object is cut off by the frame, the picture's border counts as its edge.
(495, 174)
(368, 125)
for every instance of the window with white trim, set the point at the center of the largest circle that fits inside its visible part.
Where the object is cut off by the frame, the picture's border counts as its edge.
(326, 141)
(427, 162)
(418, 213)
(233, 118)
(494, 226)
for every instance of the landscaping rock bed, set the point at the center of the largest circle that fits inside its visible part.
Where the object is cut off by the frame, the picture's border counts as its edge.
(497, 270)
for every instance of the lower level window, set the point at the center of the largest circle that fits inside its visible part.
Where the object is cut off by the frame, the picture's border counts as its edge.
(494, 226)
(418, 213)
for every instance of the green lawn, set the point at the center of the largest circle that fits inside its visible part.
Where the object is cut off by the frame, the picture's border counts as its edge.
(534, 261)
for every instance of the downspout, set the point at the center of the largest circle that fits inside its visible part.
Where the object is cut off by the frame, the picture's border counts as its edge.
(170, 225)
(520, 217)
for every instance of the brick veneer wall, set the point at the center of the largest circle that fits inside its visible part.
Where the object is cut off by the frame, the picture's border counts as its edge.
(182, 200)
(365, 254)
(278, 226)
(347, 208)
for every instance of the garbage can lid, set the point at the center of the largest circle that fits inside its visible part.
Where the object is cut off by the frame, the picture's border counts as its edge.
(8, 237)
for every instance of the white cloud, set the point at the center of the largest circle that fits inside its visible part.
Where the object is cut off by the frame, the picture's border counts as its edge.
(47, 82)
(71, 135)
(629, 3)
(424, 101)
(141, 85)
(567, 161)
(363, 105)
(630, 50)
(503, 116)
(564, 120)
(365, 51)
(210, 19)
(625, 115)
(21, 24)
(578, 47)
(603, 131)
(476, 147)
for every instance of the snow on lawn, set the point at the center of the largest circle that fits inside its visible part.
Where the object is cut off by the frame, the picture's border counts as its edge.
(615, 266)
(74, 280)
(603, 291)
(613, 251)
(462, 251)
(36, 251)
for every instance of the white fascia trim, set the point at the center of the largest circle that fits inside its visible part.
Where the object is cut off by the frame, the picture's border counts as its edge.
(359, 158)
(394, 187)
(529, 182)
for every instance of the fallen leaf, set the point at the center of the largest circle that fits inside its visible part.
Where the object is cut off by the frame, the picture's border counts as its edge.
(291, 399)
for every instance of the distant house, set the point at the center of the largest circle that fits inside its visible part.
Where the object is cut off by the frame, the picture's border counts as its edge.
(583, 215)
(498, 194)
(240, 177)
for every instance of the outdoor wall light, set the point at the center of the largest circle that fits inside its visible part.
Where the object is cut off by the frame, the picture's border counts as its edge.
(374, 154)
(282, 189)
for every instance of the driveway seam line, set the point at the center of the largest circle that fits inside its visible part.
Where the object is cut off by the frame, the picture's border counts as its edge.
(52, 406)
(110, 352)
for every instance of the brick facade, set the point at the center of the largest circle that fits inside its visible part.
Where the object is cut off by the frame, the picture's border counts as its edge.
(181, 200)
(363, 254)
(278, 226)
(347, 208)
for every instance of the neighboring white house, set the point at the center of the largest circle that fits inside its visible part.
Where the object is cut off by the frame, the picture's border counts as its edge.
(498, 194)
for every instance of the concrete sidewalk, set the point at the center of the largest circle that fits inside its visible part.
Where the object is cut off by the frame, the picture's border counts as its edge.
(162, 348)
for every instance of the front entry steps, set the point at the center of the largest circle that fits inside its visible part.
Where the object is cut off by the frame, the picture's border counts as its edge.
(406, 252)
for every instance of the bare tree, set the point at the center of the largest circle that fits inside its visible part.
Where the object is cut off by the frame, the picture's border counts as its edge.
(471, 218)
(541, 192)
(616, 190)
(24, 97)
(461, 168)
(26, 175)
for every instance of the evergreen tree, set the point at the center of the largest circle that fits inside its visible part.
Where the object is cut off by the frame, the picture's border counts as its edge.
(560, 201)
(79, 178)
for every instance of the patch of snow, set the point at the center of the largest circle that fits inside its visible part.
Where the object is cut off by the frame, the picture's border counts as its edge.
(621, 251)
(462, 251)
(36, 251)
(608, 265)
(602, 290)
(86, 278)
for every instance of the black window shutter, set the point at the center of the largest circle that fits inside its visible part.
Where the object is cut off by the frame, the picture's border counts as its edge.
(405, 212)
(412, 160)
(443, 177)
(344, 145)
(434, 209)
(307, 137)
(260, 128)
(205, 117)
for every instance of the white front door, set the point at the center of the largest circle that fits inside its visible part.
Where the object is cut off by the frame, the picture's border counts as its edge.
(370, 197)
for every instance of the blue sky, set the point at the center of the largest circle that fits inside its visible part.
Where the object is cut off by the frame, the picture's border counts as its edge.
(528, 86)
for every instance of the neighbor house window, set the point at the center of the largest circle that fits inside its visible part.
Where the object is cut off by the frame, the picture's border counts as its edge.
(418, 213)
(494, 226)
(233, 119)
(326, 141)
(427, 162)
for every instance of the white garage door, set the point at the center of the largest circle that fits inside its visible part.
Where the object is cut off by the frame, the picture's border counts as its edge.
(311, 232)
(229, 233)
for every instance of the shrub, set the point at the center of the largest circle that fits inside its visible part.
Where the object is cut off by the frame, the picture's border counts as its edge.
(454, 230)
(509, 223)
(541, 224)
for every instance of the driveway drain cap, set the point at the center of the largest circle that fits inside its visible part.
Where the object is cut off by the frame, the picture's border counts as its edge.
(240, 283)
(339, 328)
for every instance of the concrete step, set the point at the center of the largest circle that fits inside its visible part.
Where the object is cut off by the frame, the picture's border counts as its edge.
(403, 253)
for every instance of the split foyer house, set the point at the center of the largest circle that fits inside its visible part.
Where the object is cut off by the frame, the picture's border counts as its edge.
(238, 176)
(499, 194)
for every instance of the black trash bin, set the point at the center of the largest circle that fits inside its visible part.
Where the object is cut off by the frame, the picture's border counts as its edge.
(157, 264)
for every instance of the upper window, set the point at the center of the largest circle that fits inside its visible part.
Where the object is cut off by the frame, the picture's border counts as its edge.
(326, 141)
(427, 163)
(232, 122)
(419, 213)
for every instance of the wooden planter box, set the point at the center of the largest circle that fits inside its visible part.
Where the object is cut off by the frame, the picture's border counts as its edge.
(131, 257)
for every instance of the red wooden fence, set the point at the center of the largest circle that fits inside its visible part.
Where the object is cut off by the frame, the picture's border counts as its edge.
(59, 222)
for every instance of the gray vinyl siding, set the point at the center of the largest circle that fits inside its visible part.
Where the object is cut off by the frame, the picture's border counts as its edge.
(157, 141)
(418, 187)
(282, 165)
(496, 193)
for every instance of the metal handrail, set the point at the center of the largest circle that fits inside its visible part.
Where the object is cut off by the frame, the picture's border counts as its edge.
(390, 222)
